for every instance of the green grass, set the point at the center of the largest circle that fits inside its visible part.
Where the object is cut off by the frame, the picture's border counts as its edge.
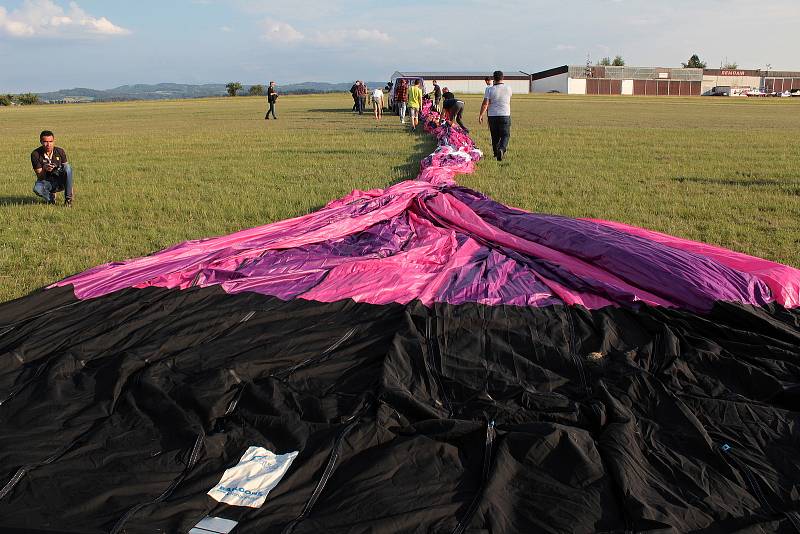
(150, 174)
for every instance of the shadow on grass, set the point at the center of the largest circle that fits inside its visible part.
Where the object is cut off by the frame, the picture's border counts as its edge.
(424, 144)
(18, 201)
(334, 110)
(732, 182)
(367, 111)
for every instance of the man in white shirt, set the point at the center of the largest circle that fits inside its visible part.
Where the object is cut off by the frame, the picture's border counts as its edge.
(497, 102)
(377, 102)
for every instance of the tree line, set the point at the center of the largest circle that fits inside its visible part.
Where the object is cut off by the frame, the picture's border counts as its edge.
(694, 62)
(233, 89)
(24, 99)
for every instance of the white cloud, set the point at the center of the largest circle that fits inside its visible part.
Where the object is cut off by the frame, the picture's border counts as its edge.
(564, 47)
(225, 29)
(430, 41)
(337, 37)
(281, 32)
(284, 33)
(45, 18)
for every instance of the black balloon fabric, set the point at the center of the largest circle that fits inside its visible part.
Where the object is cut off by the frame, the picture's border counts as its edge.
(120, 413)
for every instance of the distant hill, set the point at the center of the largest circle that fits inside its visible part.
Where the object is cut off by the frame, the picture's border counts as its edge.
(162, 91)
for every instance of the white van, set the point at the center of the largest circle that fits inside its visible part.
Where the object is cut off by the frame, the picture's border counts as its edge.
(410, 82)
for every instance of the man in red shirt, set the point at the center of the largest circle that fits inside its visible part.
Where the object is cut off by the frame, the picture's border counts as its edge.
(401, 99)
(361, 91)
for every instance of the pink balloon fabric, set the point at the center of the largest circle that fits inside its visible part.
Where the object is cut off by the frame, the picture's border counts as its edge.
(431, 240)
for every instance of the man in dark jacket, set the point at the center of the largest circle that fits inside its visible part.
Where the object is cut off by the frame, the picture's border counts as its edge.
(354, 93)
(272, 97)
(437, 96)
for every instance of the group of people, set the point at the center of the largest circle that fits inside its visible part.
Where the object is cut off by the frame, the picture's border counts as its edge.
(362, 97)
(496, 106)
(54, 173)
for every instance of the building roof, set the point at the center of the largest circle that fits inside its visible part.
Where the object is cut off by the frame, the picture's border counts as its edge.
(459, 75)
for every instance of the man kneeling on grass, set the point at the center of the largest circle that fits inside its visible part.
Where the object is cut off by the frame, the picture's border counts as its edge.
(53, 171)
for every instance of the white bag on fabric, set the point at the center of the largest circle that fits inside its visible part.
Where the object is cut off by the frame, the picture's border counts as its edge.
(248, 482)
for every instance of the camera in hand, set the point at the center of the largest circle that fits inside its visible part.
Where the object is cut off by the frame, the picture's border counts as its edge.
(58, 168)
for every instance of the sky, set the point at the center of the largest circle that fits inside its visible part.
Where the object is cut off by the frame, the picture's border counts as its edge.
(57, 44)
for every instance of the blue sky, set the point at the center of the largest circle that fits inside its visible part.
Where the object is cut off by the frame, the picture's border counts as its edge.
(55, 44)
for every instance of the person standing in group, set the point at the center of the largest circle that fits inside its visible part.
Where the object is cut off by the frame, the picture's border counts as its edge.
(377, 103)
(401, 99)
(354, 94)
(497, 102)
(272, 97)
(53, 171)
(415, 103)
(361, 89)
(437, 97)
(388, 90)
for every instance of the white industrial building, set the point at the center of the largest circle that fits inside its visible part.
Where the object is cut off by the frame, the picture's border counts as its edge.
(468, 82)
(607, 80)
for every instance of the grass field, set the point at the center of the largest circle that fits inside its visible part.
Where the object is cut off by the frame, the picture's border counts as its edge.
(150, 174)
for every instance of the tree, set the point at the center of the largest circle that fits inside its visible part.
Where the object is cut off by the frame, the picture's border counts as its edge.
(256, 90)
(5, 100)
(730, 65)
(233, 88)
(605, 62)
(618, 61)
(27, 99)
(694, 63)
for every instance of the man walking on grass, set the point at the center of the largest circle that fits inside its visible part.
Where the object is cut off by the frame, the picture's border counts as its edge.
(272, 97)
(497, 102)
(415, 103)
(401, 99)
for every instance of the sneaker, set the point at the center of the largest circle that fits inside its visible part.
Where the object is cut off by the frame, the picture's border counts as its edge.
(500, 154)
(68, 203)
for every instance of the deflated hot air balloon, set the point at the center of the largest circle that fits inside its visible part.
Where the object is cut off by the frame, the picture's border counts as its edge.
(418, 358)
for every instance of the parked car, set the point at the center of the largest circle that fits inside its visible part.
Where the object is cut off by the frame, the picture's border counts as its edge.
(721, 90)
(410, 82)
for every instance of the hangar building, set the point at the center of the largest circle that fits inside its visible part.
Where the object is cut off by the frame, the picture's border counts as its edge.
(741, 80)
(602, 80)
(738, 81)
(468, 82)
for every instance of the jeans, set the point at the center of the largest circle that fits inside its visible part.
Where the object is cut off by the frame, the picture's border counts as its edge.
(500, 129)
(361, 101)
(47, 188)
(271, 110)
(455, 112)
(401, 109)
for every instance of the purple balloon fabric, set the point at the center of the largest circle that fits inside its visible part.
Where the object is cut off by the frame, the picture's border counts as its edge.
(431, 240)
